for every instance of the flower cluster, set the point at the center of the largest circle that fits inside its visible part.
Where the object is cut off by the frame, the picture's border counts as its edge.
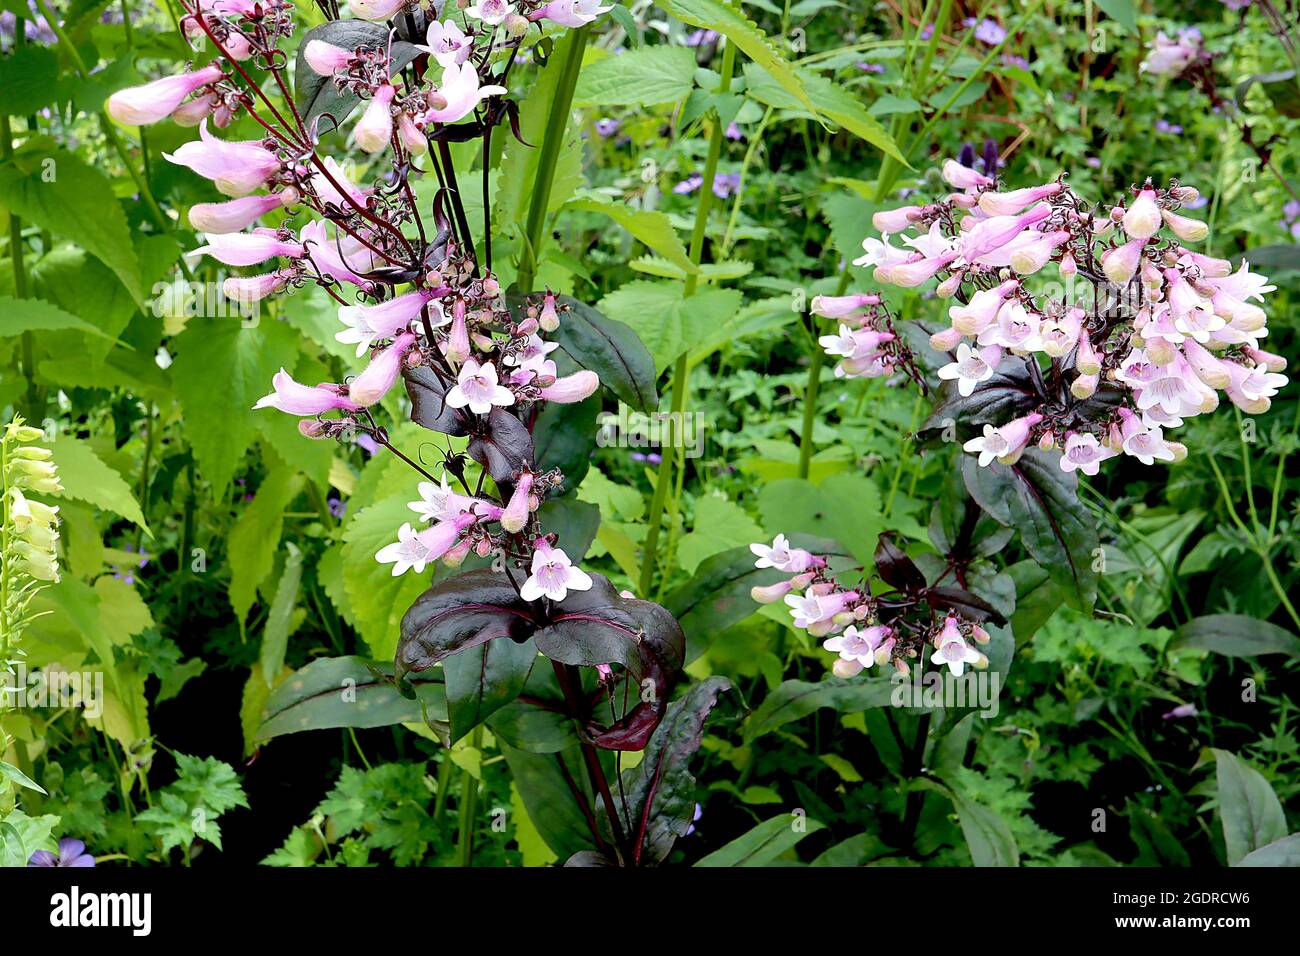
(422, 302)
(852, 619)
(29, 530)
(1170, 56)
(1140, 333)
(866, 344)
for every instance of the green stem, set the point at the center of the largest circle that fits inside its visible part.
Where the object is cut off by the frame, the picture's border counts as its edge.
(681, 369)
(814, 386)
(468, 805)
(570, 62)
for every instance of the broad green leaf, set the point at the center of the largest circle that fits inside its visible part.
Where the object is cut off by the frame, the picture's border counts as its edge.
(376, 599)
(52, 188)
(221, 369)
(834, 102)
(611, 349)
(1251, 814)
(654, 229)
(665, 321)
(253, 541)
(29, 77)
(987, 836)
(644, 77)
(764, 844)
(347, 692)
(541, 780)
(86, 478)
(844, 507)
(32, 315)
(483, 679)
(719, 525)
(1123, 12)
(1283, 852)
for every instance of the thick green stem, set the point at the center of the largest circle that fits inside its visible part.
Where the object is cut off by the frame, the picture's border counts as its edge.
(813, 387)
(681, 368)
(468, 805)
(574, 44)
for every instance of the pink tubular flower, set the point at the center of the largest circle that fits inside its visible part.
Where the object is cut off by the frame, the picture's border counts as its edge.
(570, 13)
(571, 388)
(837, 307)
(553, 575)
(1084, 453)
(1121, 263)
(1144, 442)
(909, 275)
(195, 111)
(345, 191)
(375, 128)
(235, 168)
(772, 593)
(335, 261)
(326, 58)
(254, 288)
(982, 310)
(783, 557)
(810, 608)
(1188, 230)
(248, 248)
(1010, 203)
(439, 503)
(447, 43)
(896, 220)
(953, 650)
(367, 324)
(1030, 256)
(971, 367)
(459, 92)
(227, 217)
(297, 399)
(517, 509)
(989, 235)
(856, 649)
(963, 177)
(476, 387)
(381, 374)
(1006, 444)
(142, 105)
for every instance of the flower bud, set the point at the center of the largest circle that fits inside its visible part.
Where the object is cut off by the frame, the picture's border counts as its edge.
(772, 593)
(946, 340)
(1084, 386)
(1142, 220)
(1188, 230)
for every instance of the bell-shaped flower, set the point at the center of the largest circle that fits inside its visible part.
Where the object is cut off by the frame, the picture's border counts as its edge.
(1083, 452)
(367, 324)
(458, 94)
(1010, 203)
(953, 650)
(334, 260)
(963, 177)
(447, 43)
(890, 221)
(375, 128)
(971, 367)
(439, 503)
(1016, 328)
(381, 374)
(1006, 443)
(518, 508)
(856, 648)
(476, 388)
(1121, 263)
(297, 399)
(248, 248)
(247, 289)
(1188, 230)
(781, 556)
(235, 168)
(1144, 442)
(982, 310)
(1252, 387)
(552, 575)
(491, 12)
(218, 218)
(142, 105)
(325, 188)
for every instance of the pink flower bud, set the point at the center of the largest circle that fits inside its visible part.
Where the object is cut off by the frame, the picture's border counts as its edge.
(457, 350)
(896, 220)
(412, 139)
(254, 288)
(516, 514)
(963, 177)
(571, 388)
(326, 58)
(194, 112)
(946, 340)
(1121, 263)
(375, 128)
(1010, 203)
(1142, 221)
(549, 319)
(1085, 386)
(1086, 359)
(839, 307)
(142, 105)
(235, 168)
(1188, 230)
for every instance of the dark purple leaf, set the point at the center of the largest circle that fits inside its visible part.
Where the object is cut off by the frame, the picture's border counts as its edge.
(895, 568)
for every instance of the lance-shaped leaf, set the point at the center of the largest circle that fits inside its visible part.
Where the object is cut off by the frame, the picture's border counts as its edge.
(895, 568)
(317, 95)
(484, 679)
(1039, 500)
(599, 626)
(795, 699)
(458, 614)
(501, 444)
(346, 692)
(659, 793)
(564, 437)
(1251, 813)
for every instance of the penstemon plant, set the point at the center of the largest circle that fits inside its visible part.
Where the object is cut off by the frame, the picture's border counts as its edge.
(479, 364)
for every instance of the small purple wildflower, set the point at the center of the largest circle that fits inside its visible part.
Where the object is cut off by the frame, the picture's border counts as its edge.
(1164, 126)
(725, 184)
(867, 66)
(688, 185)
(733, 131)
(701, 38)
(71, 853)
(608, 127)
(988, 32)
(1182, 710)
